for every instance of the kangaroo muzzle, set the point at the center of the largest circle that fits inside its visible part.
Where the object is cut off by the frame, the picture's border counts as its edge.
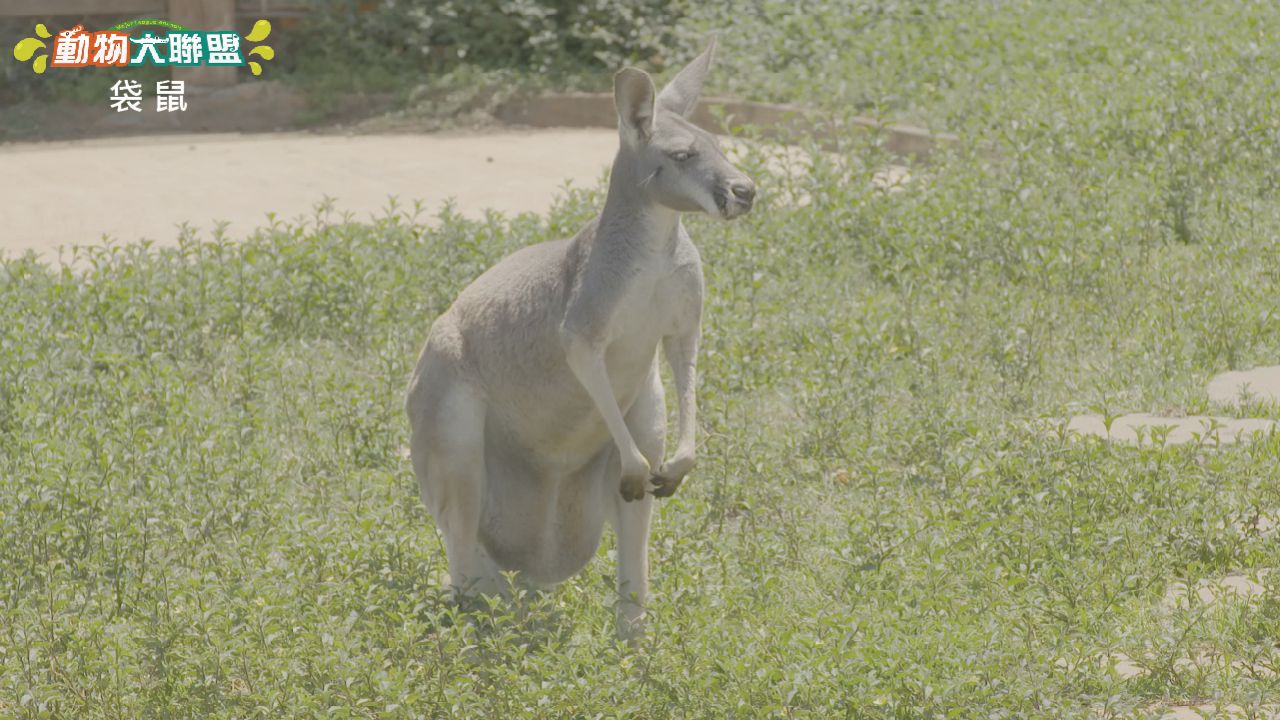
(736, 199)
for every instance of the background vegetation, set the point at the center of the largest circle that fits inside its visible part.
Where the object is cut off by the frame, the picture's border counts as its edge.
(205, 512)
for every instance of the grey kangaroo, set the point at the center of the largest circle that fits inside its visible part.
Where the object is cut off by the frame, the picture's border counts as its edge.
(536, 407)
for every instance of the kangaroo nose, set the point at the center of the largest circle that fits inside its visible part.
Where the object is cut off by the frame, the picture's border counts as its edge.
(746, 192)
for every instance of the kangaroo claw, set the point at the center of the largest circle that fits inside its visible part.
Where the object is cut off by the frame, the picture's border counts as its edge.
(665, 487)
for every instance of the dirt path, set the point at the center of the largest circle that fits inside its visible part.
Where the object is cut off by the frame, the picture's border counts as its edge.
(74, 193)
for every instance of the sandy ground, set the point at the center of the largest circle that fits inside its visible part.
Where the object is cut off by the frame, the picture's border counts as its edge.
(74, 193)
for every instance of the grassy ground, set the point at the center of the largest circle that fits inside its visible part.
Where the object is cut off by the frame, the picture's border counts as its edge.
(205, 512)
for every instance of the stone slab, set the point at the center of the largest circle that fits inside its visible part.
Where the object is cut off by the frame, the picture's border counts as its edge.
(1260, 383)
(1176, 430)
(1238, 587)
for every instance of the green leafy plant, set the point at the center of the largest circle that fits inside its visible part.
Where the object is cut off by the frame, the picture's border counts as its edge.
(204, 509)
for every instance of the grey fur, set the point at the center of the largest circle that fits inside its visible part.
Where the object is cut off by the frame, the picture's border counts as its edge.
(536, 407)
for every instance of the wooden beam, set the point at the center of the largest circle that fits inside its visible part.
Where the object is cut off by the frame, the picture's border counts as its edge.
(596, 110)
(205, 15)
(55, 8)
(154, 8)
(273, 8)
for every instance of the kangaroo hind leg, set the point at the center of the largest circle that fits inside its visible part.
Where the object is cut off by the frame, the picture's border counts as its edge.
(447, 449)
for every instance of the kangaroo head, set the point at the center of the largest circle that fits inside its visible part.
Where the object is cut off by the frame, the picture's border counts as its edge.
(673, 162)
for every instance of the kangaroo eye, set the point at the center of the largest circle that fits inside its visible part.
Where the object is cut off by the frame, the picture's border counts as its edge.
(681, 156)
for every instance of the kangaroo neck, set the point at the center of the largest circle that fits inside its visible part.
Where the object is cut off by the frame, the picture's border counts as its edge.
(631, 218)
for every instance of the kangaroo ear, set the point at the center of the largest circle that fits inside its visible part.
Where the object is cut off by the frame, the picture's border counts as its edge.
(633, 94)
(680, 96)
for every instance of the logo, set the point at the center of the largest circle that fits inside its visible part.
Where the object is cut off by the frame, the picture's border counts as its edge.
(121, 46)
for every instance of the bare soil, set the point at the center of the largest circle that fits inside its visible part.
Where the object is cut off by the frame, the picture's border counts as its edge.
(128, 189)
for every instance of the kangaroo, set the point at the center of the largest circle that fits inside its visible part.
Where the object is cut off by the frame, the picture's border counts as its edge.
(536, 407)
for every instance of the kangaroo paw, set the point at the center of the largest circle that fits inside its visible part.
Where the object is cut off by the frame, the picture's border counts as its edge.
(632, 489)
(665, 487)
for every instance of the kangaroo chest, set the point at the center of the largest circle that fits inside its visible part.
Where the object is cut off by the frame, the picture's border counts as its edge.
(642, 309)
(646, 310)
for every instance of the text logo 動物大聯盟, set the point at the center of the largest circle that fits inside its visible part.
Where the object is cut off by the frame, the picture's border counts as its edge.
(123, 46)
